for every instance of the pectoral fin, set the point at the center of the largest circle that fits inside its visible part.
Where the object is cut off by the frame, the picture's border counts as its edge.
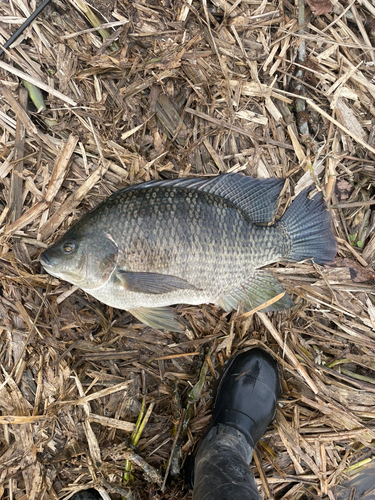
(161, 318)
(256, 290)
(154, 283)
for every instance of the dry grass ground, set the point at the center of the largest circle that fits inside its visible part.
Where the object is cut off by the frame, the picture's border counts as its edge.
(170, 89)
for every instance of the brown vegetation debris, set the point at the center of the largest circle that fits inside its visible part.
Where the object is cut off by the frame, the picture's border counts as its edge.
(319, 7)
(124, 92)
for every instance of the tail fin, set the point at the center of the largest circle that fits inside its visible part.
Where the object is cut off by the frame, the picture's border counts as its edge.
(309, 226)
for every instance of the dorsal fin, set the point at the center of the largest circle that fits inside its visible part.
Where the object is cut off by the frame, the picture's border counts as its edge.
(257, 197)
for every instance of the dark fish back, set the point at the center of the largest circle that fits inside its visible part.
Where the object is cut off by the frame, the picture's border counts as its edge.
(187, 233)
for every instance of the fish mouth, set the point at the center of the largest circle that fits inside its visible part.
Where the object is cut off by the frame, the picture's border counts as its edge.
(45, 260)
(47, 263)
(50, 266)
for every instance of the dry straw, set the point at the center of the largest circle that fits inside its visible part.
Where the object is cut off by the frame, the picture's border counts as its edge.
(178, 90)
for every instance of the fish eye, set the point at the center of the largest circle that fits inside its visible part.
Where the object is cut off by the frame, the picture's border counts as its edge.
(69, 246)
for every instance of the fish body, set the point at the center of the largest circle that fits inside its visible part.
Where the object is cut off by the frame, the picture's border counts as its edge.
(189, 241)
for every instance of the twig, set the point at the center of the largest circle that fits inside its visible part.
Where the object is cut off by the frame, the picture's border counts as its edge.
(239, 130)
(151, 473)
(262, 475)
(260, 307)
(365, 203)
(112, 422)
(177, 435)
(123, 386)
(15, 195)
(91, 30)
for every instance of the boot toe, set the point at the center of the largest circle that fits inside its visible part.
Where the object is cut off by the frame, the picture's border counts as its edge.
(248, 393)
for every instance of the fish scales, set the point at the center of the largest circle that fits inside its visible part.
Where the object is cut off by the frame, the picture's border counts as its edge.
(178, 242)
(195, 235)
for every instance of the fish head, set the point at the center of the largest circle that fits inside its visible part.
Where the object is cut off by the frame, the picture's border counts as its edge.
(84, 258)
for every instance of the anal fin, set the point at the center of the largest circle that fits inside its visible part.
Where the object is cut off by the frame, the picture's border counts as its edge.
(161, 318)
(253, 292)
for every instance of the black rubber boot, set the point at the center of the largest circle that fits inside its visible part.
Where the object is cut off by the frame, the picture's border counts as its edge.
(244, 407)
(86, 495)
(247, 394)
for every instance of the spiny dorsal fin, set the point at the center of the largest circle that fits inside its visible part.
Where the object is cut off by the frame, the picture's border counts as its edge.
(257, 197)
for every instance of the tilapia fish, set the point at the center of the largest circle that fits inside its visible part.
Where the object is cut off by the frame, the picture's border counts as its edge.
(190, 241)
